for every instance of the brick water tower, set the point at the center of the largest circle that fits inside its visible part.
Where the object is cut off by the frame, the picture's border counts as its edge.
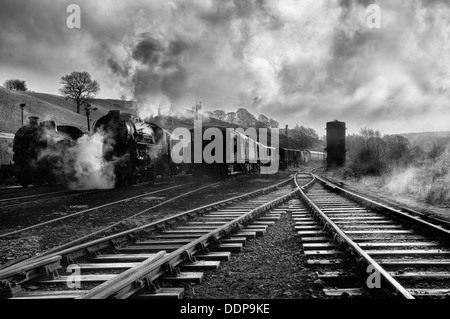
(336, 152)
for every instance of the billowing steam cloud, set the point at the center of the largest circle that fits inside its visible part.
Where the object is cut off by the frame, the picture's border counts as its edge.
(87, 166)
(79, 165)
(306, 58)
(310, 61)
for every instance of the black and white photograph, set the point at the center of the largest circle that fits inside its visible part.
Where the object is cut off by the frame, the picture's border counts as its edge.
(225, 158)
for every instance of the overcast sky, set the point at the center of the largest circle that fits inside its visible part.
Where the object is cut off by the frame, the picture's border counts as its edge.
(298, 61)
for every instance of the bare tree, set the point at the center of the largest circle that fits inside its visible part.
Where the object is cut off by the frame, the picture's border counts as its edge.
(15, 85)
(79, 87)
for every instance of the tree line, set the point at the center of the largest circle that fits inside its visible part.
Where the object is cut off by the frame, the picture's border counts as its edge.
(370, 153)
(300, 137)
(243, 118)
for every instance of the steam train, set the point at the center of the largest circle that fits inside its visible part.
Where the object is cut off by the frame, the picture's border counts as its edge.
(38, 151)
(139, 151)
(236, 153)
(295, 158)
(247, 155)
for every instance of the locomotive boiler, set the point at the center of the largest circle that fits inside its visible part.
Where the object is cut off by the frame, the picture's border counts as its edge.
(39, 150)
(138, 150)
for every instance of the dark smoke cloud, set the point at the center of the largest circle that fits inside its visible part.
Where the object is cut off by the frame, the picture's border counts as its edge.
(303, 62)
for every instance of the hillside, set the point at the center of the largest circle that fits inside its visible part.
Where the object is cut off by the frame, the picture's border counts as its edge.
(426, 140)
(54, 107)
(48, 107)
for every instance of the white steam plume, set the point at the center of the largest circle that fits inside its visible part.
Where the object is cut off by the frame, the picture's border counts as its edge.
(90, 170)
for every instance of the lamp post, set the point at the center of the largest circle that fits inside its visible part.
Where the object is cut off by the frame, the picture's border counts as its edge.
(22, 106)
(88, 108)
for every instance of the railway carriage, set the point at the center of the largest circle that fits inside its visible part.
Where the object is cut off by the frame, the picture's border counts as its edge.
(290, 158)
(248, 155)
(314, 156)
(293, 158)
(6, 157)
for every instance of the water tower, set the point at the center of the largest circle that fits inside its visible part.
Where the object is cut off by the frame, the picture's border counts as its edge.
(336, 152)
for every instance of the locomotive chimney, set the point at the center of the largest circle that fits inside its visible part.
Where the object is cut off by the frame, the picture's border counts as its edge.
(33, 120)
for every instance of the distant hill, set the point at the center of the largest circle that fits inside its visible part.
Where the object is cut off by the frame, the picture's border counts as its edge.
(426, 140)
(56, 108)
(49, 107)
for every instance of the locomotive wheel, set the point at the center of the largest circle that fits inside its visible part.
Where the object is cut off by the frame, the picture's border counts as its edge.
(120, 180)
(126, 180)
(52, 181)
(25, 182)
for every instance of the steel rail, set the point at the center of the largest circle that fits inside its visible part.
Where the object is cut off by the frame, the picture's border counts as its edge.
(10, 199)
(148, 272)
(101, 231)
(370, 202)
(45, 199)
(337, 231)
(112, 240)
(85, 211)
(98, 232)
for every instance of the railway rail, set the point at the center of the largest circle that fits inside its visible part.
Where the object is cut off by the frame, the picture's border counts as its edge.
(396, 253)
(84, 211)
(136, 262)
(23, 200)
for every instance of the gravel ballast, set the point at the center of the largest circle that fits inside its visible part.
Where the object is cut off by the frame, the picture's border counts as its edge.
(271, 267)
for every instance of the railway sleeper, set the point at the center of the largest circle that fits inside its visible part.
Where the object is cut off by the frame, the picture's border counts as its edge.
(192, 277)
(340, 279)
(162, 293)
(325, 262)
(416, 275)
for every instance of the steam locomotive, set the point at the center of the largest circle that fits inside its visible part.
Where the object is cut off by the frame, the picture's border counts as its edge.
(39, 151)
(138, 150)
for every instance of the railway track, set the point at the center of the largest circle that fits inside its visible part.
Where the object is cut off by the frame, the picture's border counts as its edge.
(362, 248)
(8, 202)
(153, 260)
(85, 211)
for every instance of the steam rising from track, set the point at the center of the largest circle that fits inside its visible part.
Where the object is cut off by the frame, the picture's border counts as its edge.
(429, 182)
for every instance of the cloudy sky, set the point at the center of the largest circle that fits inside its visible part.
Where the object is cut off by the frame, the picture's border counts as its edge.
(298, 61)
